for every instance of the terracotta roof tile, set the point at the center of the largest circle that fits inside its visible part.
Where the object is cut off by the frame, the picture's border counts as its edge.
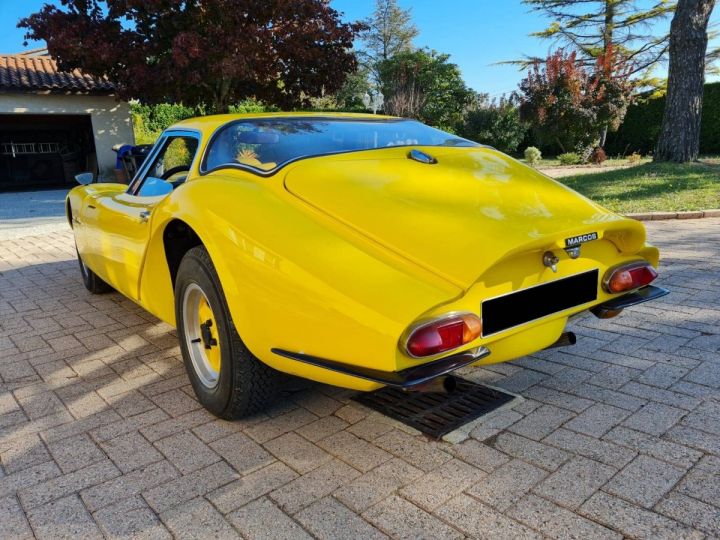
(23, 72)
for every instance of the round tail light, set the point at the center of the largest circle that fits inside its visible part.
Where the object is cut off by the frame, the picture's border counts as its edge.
(627, 277)
(443, 334)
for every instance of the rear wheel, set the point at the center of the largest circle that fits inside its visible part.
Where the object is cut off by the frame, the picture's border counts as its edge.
(90, 279)
(228, 380)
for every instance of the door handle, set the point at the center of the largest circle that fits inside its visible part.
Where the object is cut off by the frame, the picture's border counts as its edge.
(144, 216)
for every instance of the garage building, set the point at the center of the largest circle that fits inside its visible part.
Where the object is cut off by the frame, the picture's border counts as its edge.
(54, 124)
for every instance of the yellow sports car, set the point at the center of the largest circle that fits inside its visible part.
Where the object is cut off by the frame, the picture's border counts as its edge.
(356, 250)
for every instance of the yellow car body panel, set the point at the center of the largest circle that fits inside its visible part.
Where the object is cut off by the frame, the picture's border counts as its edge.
(336, 256)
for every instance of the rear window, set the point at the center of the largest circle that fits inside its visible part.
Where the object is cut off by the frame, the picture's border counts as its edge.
(269, 143)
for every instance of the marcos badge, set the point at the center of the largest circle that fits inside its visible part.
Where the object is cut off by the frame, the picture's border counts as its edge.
(581, 238)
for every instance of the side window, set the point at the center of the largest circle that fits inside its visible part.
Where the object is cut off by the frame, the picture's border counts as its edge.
(174, 159)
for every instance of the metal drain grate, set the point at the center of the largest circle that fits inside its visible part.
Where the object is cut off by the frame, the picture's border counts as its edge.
(434, 413)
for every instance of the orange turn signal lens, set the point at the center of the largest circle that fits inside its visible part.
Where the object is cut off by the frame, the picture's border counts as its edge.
(627, 277)
(443, 334)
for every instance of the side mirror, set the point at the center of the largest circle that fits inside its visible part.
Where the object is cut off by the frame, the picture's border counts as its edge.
(155, 187)
(84, 178)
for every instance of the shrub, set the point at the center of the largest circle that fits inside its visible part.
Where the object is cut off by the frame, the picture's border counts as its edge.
(495, 123)
(532, 155)
(634, 158)
(598, 155)
(569, 158)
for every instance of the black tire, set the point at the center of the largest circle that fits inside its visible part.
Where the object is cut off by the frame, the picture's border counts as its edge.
(244, 385)
(91, 280)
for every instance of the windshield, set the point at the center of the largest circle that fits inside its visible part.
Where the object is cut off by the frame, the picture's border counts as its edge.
(269, 143)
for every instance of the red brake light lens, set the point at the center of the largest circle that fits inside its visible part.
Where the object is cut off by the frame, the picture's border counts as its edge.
(443, 335)
(628, 277)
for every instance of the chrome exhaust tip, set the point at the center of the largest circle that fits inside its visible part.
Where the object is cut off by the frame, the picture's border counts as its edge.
(440, 385)
(565, 340)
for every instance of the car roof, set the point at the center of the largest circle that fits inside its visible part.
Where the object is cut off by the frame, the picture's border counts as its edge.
(210, 123)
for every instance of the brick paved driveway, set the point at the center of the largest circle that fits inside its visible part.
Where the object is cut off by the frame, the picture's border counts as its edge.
(100, 433)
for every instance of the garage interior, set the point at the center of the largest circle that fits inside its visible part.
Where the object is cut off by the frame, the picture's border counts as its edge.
(44, 151)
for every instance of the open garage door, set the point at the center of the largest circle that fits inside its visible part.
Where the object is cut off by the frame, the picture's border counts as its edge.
(43, 151)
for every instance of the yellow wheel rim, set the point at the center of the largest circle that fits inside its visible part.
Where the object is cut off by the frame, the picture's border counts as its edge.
(207, 318)
(202, 337)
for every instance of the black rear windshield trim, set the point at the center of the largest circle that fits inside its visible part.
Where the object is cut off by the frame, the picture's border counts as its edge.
(265, 174)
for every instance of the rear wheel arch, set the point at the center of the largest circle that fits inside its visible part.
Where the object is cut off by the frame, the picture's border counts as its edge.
(178, 239)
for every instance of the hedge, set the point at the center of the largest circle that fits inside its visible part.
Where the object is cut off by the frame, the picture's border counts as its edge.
(640, 130)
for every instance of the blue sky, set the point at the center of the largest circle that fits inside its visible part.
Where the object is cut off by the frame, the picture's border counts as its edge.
(476, 33)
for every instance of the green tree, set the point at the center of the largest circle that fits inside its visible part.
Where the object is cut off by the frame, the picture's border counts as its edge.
(592, 27)
(389, 31)
(423, 84)
(496, 123)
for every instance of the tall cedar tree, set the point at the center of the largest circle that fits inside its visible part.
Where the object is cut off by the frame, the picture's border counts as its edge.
(202, 51)
(680, 132)
(593, 26)
(389, 31)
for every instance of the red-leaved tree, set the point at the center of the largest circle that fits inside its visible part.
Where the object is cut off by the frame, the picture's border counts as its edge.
(202, 51)
(572, 107)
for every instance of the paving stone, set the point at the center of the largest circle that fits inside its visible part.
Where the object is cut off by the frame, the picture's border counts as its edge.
(654, 418)
(399, 518)
(315, 485)
(169, 494)
(597, 420)
(175, 402)
(415, 451)
(480, 521)
(128, 425)
(198, 519)
(506, 485)
(370, 428)
(590, 447)
(438, 486)
(557, 522)
(172, 426)
(130, 403)
(707, 442)
(261, 482)
(662, 375)
(242, 453)
(692, 513)
(66, 484)
(633, 521)
(645, 481)
(575, 482)
(702, 484)
(128, 485)
(705, 417)
(216, 429)
(22, 452)
(607, 396)
(186, 452)
(297, 452)
(541, 422)
(130, 518)
(354, 451)
(329, 519)
(262, 519)
(274, 427)
(131, 451)
(317, 402)
(75, 453)
(39, 405)
(321, 428)
(63, 518)
(374, 486)
(547, 457)
(558, 399)
(677, 454)
(480, 455)
(13, 523)
(661, 395)
(494, 423)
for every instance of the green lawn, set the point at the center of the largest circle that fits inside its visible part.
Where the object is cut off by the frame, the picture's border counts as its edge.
(653, 187)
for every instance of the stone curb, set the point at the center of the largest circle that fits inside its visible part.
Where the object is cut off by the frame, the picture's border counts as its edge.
(658, 216)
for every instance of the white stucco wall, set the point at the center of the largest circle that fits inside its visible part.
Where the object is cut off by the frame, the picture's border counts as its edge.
(111, 120)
